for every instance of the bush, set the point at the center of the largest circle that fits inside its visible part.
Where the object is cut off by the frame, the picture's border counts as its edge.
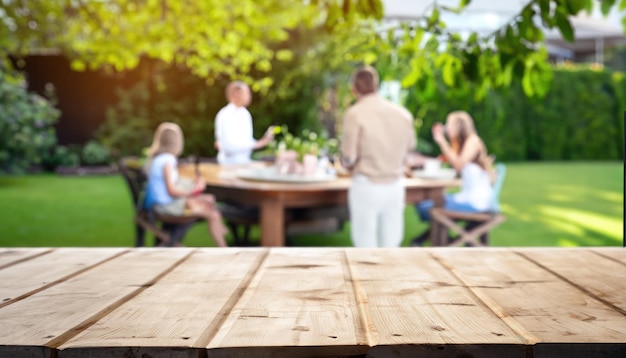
(94, 153)
(26, 124)
(59, 156)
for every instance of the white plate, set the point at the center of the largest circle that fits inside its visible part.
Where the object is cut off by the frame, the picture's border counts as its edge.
(443, 173)
(270, 174)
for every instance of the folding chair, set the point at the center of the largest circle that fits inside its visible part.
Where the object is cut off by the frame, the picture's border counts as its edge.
(172, 228)
(476, 231)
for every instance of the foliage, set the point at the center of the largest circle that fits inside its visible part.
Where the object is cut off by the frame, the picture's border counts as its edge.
(94, 153)
(26, 124)
(212, 38)
(514, 51)
(567, 124)
(59, 156)
(309, 142)
(216, 39)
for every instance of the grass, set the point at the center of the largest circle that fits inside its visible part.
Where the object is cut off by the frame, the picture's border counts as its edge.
(546, 204)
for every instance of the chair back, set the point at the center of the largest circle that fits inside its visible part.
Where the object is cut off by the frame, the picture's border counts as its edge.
(135, 178)
(497, 185)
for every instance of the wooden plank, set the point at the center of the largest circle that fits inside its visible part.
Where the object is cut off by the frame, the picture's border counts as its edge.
(615, 253)
(55, 315)
(182, 310)
(9, 257)
(599, 276)
(28, 277)
(541, 303)
(414, 302)
(300, 301)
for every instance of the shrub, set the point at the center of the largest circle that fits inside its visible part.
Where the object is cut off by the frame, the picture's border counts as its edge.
(26, 124)
(94, 153)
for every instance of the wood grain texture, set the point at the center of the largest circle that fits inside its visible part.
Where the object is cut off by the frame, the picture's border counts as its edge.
(10, 257)
(545, 306)
(43, 271)
(297, 298)
(50, 317)
(183, 309)
(598, 276)
(314, 302)
(414, 300)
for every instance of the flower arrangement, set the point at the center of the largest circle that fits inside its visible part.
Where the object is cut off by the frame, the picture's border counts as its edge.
(304, 154)
(309, 142)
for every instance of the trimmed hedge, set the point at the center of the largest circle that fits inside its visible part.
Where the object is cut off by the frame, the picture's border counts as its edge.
(579, 119)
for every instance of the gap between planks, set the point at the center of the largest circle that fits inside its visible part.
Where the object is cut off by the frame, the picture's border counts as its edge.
(71, 333)
(490, 303)
(360, 296)
(26, 258)
(61, 280)
(209, 333)
(574, 284)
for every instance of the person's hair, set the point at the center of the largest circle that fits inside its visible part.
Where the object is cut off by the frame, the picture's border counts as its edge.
(365, 80)
(168, 138)
(465, 126)
(234, 86)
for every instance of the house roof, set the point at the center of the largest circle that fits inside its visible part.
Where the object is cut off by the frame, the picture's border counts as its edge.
(486, 16)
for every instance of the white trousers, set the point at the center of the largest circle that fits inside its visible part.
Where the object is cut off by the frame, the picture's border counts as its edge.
(376, 212)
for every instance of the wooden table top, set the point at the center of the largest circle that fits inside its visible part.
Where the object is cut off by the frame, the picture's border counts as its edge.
(225, 176)
(299, 302)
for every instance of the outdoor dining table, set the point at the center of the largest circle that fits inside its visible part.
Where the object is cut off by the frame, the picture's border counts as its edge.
(313, 302)
(273, 198)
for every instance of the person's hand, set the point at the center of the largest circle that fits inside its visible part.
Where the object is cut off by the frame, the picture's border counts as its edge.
(269, 133)
(199, 184)
(438, 134)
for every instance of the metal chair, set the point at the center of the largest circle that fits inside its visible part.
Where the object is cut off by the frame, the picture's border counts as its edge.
(476, 231)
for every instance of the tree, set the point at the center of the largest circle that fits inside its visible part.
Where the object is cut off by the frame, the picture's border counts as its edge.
(215, 38)
(212, 37)
(489, 61)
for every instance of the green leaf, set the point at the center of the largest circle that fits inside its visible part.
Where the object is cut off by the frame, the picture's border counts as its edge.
(564, 26)
(464, 3)
(369, 58)
(544, 5)
(606, 5)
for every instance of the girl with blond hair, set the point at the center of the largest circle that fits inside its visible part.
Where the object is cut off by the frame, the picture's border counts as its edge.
(467, 154)
(170, 195)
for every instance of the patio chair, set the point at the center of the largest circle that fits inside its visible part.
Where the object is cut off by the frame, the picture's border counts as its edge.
(478, 225)
(168, 230)
(172, 229)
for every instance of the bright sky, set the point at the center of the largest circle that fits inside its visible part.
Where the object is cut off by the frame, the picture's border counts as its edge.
(488, 15)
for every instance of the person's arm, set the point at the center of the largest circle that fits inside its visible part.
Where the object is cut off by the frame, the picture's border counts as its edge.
(470, 150)
(174, 192)
(349, 141)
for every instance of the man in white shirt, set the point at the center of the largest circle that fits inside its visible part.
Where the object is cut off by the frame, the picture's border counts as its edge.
(233, 127)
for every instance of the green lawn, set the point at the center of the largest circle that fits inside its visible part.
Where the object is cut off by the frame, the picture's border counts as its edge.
(547, 204)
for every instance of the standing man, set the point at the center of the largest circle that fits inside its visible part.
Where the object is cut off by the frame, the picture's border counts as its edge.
(377, 137)
(233, 127)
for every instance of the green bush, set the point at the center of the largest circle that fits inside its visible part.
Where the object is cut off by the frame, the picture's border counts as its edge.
(59, 156)
(94, 153)
(579, 119)
(26, 124)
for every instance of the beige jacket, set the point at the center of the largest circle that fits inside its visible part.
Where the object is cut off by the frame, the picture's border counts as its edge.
(377, 137)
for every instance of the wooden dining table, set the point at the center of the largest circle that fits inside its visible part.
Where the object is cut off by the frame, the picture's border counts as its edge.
(273, 198)
(313, 302)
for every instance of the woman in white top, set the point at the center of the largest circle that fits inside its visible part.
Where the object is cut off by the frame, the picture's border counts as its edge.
(467, 154)
(171, 195)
